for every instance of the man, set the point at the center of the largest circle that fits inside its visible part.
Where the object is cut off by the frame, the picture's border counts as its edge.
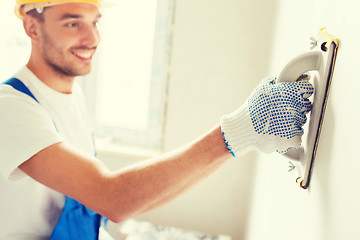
(45, 135)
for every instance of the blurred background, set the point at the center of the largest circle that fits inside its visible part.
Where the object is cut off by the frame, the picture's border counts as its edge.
(202, 60)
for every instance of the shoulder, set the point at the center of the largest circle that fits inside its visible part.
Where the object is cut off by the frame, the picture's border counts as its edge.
(24, 125)
(19, 110)
(12, 100)
(7, 92)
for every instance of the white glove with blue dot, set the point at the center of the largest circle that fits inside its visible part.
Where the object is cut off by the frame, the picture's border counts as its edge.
(271, 119)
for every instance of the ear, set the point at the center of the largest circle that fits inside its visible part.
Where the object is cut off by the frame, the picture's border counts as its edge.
(32, 27)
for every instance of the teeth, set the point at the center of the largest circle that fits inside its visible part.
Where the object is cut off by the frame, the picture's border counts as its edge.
(83, 54)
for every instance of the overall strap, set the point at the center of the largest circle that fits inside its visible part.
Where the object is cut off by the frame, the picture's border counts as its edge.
(20, 86)
(76, 220)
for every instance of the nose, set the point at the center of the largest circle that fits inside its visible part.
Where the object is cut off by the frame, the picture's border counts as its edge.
(91, 36)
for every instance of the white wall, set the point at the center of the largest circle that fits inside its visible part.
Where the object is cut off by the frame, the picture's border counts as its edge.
(329, 210)
(221, 50)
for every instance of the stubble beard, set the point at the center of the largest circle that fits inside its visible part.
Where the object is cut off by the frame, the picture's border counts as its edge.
(55, 59)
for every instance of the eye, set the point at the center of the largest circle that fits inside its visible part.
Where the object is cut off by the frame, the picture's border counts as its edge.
(96, 24)
(72, 25)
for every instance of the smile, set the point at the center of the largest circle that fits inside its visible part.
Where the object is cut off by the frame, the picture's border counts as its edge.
(86, 55)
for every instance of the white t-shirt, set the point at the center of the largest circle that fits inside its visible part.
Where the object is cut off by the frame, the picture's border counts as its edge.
(30, 210)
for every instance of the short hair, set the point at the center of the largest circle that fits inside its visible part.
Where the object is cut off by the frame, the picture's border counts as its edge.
(39, 16)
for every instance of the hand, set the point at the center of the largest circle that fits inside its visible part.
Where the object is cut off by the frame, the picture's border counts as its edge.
(271, 119)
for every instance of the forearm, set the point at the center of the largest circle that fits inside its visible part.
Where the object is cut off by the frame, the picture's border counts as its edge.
(152, 183)
(129, 191)
(172, 195)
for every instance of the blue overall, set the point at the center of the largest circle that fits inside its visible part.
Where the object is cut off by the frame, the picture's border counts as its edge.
(76, 221)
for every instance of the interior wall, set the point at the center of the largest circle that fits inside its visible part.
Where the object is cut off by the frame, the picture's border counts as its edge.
(221, 50)
(329, 209)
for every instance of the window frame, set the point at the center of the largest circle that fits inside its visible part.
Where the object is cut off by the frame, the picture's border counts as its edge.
(153, 136)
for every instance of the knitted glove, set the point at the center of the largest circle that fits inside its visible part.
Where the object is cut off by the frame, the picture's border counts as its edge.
(271, 119)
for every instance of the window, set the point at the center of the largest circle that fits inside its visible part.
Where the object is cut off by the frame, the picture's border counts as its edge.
(127, 88)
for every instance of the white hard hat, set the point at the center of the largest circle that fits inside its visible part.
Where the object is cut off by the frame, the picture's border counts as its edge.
(24, 6)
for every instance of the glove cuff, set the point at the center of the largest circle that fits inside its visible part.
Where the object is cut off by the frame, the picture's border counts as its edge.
(238, 131)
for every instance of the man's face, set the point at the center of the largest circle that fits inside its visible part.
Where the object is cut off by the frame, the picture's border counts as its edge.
(69, 37)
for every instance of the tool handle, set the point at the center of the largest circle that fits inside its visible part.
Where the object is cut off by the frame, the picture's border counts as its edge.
(291, 72)
(305, 62)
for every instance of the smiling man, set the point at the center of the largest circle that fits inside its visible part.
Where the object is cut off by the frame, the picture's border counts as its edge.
(54, 186)
(64, 44)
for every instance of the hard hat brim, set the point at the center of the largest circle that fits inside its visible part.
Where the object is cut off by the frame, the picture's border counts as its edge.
(26, 6)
